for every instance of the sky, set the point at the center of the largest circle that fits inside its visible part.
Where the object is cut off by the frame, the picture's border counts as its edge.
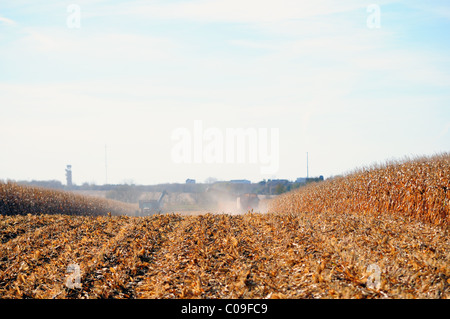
(147, 92)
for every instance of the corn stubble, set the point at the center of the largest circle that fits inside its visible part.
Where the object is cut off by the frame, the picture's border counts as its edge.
(294, 251)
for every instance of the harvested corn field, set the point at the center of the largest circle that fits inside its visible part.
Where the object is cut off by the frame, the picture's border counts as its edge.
(305, 255)
(380, 233)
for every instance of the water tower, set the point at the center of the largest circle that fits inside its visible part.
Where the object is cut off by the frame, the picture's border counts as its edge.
(69, 175)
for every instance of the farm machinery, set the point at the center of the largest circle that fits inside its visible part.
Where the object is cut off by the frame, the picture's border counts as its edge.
(248, 201)
(149, 207)
(244, 202)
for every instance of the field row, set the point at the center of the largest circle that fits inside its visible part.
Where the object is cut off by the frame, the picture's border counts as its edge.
(418, 189)
(304, 255)
(16, 199)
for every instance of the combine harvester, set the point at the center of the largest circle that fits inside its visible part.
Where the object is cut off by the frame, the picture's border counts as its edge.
(247, 202)
(150, 207)
(244, 202)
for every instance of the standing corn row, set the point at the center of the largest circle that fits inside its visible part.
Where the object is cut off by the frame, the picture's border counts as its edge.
(416, 188)
(21, 200)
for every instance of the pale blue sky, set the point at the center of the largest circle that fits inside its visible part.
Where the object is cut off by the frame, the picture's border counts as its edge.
(135, 71)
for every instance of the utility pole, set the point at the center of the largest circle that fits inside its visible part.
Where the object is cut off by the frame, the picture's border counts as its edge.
(307, 166)
(106, 168)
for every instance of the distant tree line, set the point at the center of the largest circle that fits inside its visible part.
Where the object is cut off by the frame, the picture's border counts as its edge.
(130, 193)
(124, 193)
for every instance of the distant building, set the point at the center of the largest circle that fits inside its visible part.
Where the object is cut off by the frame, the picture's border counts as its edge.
(240, 181)
(301, 180)
(190, 181)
